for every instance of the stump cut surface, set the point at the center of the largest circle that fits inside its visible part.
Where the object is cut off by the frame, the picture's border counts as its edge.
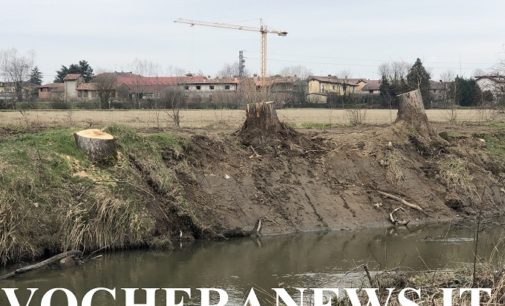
(97, 144)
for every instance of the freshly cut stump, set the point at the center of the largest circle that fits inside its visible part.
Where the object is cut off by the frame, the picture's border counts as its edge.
(411, 113)
(262, 117)
(262, 125)
(96, 143)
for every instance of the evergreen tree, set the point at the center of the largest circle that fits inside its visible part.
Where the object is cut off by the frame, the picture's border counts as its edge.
(419, 78)
(82, 68)
(384, 87)
(86, 71)
(60, 74)
(468, 92)
(36, 76)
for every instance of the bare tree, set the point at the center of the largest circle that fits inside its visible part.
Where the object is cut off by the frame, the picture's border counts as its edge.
(16, 68)
(175, 71)
(142, 68)
(499, 87)
(299, 71)
(248, 91)
(173, 98)
(479, 72)
(449, 96)
(230, 71)
(106, 87)
(394, 71)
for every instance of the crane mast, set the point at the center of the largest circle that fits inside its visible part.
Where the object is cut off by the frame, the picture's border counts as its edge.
(263, 30)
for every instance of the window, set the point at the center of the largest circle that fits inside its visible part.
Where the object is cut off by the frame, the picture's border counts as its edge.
(198, 87)
(227, 87)
(211, 87)
(186, 87)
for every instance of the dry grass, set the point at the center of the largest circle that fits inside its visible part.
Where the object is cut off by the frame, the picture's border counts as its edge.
(105, 221)
(454, 173)
(394, 174)
(52, 199)
(13, 243)
(221, 118)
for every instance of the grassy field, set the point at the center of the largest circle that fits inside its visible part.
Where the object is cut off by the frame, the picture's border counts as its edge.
(301, 118)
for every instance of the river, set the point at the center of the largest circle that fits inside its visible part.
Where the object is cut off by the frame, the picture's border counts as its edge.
(300, 260)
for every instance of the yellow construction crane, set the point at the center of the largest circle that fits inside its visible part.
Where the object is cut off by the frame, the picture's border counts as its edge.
(263, 29)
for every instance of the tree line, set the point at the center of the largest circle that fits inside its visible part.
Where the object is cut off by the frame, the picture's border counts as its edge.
(396, 78)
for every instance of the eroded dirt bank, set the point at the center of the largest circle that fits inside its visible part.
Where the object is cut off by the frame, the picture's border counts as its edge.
(338, 185)
(184, 185)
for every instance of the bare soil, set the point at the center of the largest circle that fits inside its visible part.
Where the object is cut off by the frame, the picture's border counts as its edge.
(331, 181)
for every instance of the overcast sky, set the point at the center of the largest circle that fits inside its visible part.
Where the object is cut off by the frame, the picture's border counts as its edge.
(326, 36)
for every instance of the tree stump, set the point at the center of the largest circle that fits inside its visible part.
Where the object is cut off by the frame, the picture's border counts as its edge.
(411, 113)
(262, 117)
(262, 124)
(97, 144)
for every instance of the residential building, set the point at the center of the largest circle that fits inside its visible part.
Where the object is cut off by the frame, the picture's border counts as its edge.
(492, 83)
(52, 91)
(439, 90)
(319, 87)
(71, 81)
(206, 87)
(87, 91)
(8, 91)
(372, 87)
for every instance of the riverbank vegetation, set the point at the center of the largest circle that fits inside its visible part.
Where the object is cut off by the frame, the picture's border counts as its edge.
(53, 198)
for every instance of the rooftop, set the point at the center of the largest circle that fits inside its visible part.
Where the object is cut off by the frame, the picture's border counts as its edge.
(335, 80)
(72, 77)
(372, 85)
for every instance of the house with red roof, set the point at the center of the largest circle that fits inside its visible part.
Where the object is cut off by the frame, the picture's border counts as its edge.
(51, 91)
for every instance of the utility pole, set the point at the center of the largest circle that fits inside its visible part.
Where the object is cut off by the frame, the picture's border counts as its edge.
(241, 64)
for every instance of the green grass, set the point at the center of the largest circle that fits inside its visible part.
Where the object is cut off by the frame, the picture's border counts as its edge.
(53, 198)
(495, 144)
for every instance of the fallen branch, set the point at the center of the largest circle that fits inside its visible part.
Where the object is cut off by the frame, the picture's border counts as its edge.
(404, 202)
(255, 154)
(41, 264)
(395, 221)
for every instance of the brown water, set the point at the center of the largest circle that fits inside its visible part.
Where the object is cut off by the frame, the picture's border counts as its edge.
(302, 260)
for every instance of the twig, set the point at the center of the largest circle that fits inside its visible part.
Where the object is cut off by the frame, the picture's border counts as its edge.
(255, 154)
(476, 248)
(368, 275)
(404, 202)
(92, 254)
